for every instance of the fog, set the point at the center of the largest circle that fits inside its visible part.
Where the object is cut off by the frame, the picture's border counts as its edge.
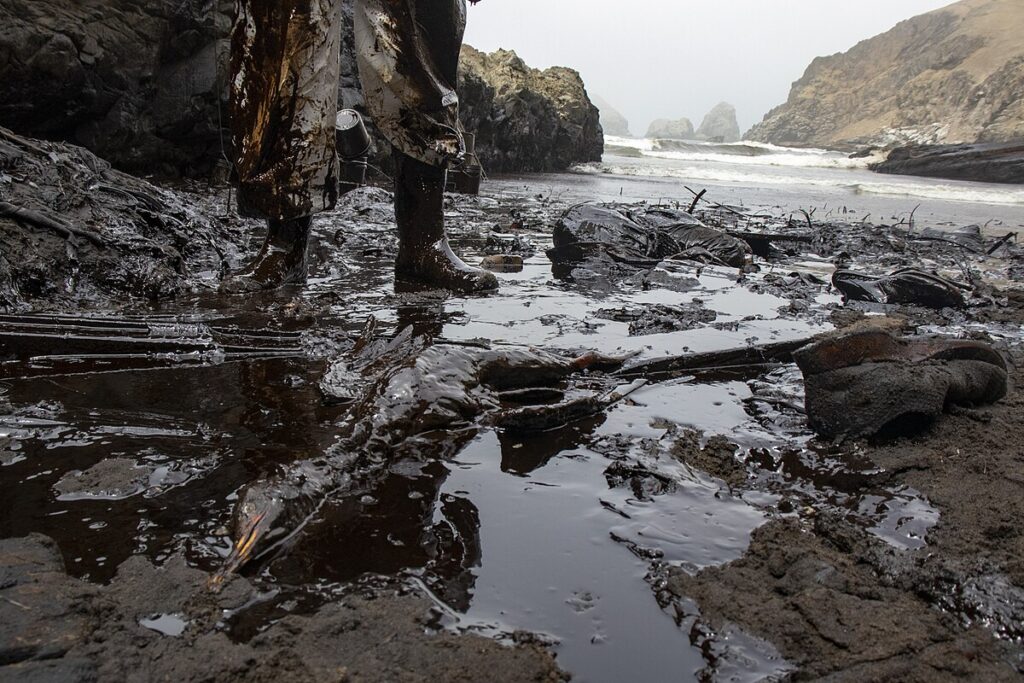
(671, 58)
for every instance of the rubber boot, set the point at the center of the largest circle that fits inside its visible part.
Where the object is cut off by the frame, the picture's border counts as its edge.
(280, 261)
(424, 255)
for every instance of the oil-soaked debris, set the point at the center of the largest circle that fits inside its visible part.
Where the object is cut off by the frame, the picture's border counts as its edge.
(863, 381)
(905, 286)
(660, 318)
(641, 237)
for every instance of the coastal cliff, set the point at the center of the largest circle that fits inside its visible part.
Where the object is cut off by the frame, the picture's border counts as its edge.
(955, 75)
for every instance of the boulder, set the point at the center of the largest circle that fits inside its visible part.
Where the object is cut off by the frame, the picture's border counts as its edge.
(526, 119)
(990, 163)
(135, 82)
(665, 129)
(720, 124)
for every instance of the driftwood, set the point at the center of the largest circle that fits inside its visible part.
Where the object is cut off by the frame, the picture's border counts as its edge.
(723, 207)
(543, 418)
(51, 223)
(667, 368)
(922, 238)
(696, 199)
(995, 247)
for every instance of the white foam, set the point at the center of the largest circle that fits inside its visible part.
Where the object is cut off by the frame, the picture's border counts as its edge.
(743, 152)
(834, 177)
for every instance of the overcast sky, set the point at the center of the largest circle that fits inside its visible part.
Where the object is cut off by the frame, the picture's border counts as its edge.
(671, 58)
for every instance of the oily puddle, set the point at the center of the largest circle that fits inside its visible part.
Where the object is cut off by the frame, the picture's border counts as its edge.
(508, 534)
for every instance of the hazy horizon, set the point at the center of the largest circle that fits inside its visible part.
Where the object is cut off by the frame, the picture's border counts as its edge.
(668, 59)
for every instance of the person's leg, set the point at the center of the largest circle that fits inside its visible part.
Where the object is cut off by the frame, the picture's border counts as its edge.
(423, 251)
(408, 52)
(285, 62)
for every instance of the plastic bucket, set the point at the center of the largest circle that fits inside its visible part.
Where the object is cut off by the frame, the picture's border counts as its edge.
(350, 133)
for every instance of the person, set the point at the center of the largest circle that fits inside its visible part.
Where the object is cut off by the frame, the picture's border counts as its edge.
(285, 64)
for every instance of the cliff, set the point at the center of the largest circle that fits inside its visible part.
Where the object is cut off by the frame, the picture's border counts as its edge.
(142, 84)
(954, 75)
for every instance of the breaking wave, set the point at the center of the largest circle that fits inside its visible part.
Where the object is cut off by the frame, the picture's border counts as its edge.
(745, 152)
(856, 181)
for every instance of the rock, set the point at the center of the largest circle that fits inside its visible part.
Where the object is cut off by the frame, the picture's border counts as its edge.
(38, 619)
(950, 76)
(57, 628)
(503, 263)
(612, 121)
(526, 119)
(136, 83)
(144, 86)
(664, 129)
(720, 124)
(109, 479)
(989, 163)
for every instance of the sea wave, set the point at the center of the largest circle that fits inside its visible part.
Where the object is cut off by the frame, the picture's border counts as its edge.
(744, 152)
(897, 186)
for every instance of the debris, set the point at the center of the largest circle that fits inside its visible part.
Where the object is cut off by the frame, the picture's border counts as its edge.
(863, 381)
(503, 263)
(641, 238)
(908, 286)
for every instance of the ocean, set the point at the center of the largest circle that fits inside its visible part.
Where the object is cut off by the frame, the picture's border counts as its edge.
(763, 176)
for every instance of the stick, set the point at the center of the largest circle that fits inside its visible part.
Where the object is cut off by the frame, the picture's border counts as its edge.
(41, 220)
(720, 206)
(808, 217)
(910, 227)
(946, 241)
(21, 142)
(697, 199)
(995, 247)
(780, 352)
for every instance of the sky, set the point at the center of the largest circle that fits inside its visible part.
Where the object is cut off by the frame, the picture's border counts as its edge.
(673, 58)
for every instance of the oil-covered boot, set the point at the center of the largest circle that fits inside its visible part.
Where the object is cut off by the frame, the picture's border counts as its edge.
(424, 255)
(280, 261)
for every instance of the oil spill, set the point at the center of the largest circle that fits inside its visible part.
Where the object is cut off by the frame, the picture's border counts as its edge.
(561, 534)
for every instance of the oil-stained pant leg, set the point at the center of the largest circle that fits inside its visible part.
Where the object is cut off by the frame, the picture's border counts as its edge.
(408, 55)
(285, 63)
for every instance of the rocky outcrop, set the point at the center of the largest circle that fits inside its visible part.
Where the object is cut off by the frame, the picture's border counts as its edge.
(665, 129)
(991, 163)
(613, 122)
(954, 75)
(526, 119)
(720, 124)
(134, 81)
(142, 83)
